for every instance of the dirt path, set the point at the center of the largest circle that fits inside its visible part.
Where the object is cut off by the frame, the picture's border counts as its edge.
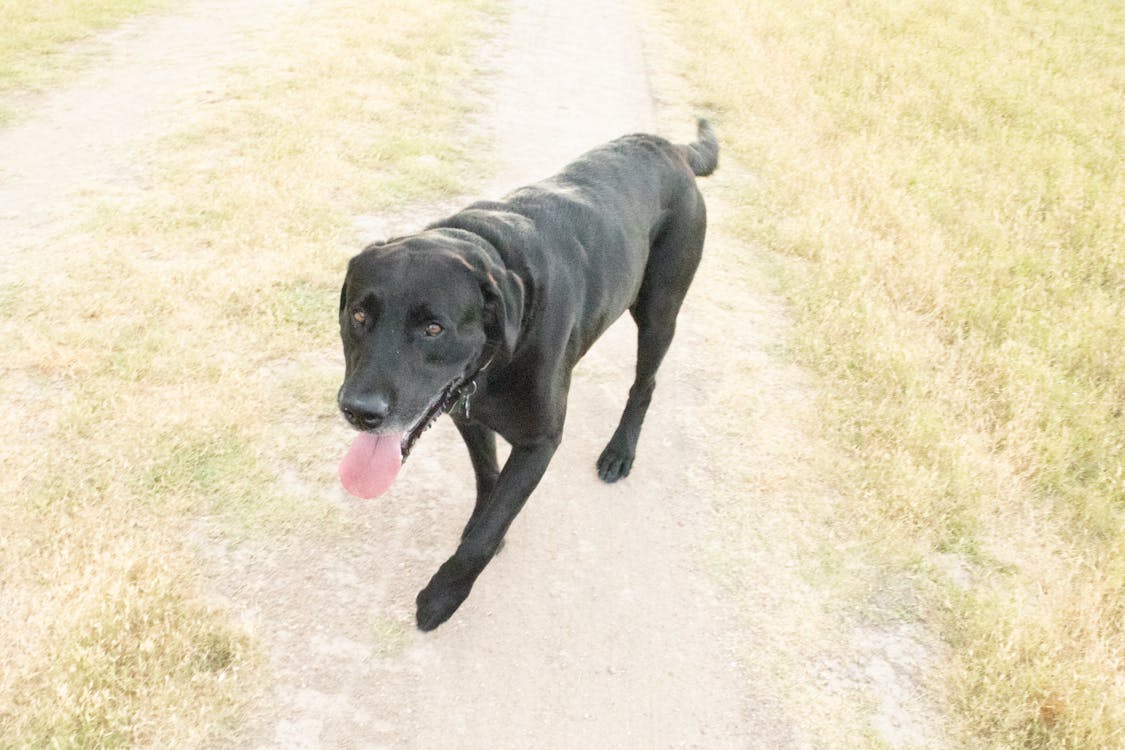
(594, 626)
(600, 624)
(93, 136)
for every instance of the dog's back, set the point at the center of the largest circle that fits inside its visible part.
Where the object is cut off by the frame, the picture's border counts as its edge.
(585, 235)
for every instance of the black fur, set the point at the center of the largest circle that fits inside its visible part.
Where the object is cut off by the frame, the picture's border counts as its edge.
(522, 287)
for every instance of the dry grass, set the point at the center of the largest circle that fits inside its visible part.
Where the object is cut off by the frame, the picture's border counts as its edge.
(942, 184)
(37, 42)
(168, 362)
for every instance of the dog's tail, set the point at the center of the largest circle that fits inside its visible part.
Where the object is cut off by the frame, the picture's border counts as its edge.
(703, 155)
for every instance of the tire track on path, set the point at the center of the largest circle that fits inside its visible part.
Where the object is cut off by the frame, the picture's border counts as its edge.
(97, 134)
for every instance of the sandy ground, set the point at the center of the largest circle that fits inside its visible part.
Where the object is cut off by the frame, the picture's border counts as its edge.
(601, 623)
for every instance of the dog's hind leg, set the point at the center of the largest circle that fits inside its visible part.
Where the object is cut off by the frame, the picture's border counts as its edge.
(481, 443)
(672, 263)
(653, 340)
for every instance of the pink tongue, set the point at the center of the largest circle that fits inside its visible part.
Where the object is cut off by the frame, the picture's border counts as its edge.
(371, 464)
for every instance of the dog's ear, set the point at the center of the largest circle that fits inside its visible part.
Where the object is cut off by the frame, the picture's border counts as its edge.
(503, 306)
(343, 296)
(503, 290)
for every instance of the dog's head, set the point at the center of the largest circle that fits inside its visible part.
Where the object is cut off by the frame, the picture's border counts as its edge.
(419, 315)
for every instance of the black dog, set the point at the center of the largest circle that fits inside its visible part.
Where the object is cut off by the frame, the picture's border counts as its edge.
(485, 314)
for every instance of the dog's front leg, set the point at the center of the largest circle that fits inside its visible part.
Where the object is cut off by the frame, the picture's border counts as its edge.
(453, 581)
(481, 443)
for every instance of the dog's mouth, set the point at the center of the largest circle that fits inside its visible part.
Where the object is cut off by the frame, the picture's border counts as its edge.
(372, 463)
(440, 405)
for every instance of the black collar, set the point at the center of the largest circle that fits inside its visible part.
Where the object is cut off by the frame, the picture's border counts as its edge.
(463, 390)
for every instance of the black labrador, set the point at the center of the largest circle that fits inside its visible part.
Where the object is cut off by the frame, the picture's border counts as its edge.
(484, 314)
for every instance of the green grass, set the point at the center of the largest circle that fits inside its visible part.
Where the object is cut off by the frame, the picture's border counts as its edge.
(945, 181)
(171, 360)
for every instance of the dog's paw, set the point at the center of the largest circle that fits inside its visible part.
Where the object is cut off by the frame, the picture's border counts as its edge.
(614, 464)
(437, 603)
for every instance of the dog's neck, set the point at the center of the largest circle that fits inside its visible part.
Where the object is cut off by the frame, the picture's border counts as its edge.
(462, 392)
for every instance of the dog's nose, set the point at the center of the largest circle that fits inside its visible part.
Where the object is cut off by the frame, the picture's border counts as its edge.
(367, 412)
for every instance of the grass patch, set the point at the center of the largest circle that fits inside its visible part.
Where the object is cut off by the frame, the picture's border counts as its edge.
(946, 178)
(391, 636)
(135, 642)
(36, 44)
(172, 359)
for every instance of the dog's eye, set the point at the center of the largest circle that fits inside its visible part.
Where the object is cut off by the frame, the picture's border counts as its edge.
(359, 316)
(434, 329)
